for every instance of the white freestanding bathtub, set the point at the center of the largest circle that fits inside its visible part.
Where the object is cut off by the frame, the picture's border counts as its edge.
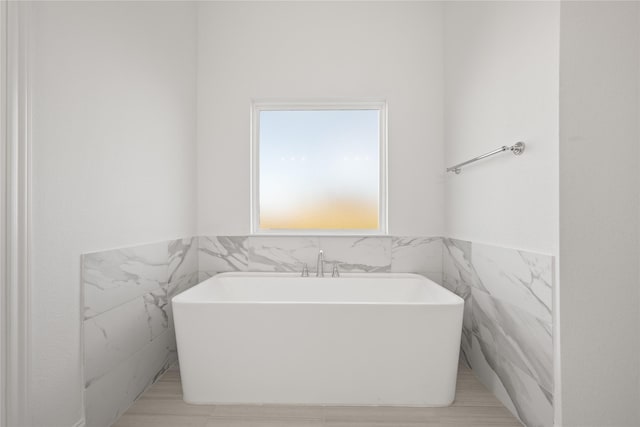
(277, 338)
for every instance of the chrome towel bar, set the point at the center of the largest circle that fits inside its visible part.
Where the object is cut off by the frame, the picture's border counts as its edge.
(517, 149)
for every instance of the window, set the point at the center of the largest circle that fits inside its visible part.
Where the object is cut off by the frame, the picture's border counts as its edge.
(319, 168)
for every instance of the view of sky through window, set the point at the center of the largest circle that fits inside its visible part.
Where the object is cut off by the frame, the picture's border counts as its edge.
(319, 169)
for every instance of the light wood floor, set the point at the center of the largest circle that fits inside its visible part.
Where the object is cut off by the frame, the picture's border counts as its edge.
(162, 406)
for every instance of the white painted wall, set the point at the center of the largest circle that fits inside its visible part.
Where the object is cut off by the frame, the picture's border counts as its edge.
(501, 86)
(599, 187)
(113, 155)
(320, 50)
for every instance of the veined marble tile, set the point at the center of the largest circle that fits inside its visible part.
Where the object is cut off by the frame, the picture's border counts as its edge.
(282, 253)
(458, 272)
(524, 340)
(467, 328)
(182, 285)
(533, 404)
(113, 277)
(109, 396)
(422, 255)
(174, 289)
(115, 335)
(523, 279)
(162, 298)
(357, 254)
(183, 258)
(520, 393)
(507, 324)
(217, 254)
(483, 358)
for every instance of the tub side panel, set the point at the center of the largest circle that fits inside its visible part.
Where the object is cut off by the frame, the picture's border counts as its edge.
(318, 354)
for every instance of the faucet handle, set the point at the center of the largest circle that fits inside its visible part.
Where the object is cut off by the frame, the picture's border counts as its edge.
(305, 270)
(335, 273)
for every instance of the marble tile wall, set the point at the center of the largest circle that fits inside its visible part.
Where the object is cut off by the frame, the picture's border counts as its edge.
(128, 327)
(507, 327)
(422, 255)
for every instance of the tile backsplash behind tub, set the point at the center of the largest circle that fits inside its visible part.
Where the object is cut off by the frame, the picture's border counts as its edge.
(421, 255)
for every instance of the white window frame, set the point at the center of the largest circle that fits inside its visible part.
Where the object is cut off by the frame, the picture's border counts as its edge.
(258, 106)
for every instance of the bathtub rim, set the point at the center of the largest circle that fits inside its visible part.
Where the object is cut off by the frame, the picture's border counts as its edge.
(456, 299)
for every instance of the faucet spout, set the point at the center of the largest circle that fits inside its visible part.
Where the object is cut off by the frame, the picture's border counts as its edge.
(320, 264)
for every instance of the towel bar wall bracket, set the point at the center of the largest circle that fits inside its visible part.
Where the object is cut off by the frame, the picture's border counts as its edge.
(516, 149)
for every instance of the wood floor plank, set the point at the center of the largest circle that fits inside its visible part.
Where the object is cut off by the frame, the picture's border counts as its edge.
(380, 414)
(474, 394)
(171, 374)
(477, 416)
(269, 411)
(169, 407)
(142, 420)
(353, 423)
(261, 422)
(164, 390)
(162, 406)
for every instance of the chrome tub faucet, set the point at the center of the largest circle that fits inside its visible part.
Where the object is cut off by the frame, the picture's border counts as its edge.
(320, 264)
(320, 267)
